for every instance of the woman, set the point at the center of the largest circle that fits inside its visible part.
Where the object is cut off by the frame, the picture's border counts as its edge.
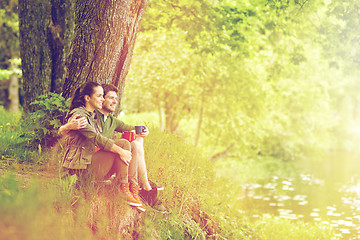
(80, 145)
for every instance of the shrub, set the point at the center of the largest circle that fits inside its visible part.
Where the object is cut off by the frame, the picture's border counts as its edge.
(38, 130)
(41, 126)
(26, 138)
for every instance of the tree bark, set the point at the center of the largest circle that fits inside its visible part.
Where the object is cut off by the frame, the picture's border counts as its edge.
(61, 30)
(34, 18)
(46, 29)
(104, 38)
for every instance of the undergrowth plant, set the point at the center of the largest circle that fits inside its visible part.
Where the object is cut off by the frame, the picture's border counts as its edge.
(33, 134)
(9, 131)
(38, 211)
(193, 192)
(201, 202)
(41, 126)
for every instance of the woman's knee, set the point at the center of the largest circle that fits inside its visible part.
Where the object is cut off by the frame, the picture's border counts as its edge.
(101, 164)
(123, 143)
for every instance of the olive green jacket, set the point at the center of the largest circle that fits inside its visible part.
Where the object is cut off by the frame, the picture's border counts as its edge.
(80, 145)
(112, 124)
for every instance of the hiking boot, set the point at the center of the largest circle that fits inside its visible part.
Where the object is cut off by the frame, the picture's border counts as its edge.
(124, 188)
(141, 208)
(158, 206)
(150, 197)
(154, 185)
(134, 189)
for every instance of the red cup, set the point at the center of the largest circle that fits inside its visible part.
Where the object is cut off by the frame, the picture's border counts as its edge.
(130, 136)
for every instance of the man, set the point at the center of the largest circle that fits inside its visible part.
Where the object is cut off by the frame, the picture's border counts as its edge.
(110, 125)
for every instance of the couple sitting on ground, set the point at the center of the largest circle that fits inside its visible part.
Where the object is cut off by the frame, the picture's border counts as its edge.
(91, 151)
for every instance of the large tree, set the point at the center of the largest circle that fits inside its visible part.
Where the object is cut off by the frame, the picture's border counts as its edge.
(46, 29)
(102, 34)
(103, 42)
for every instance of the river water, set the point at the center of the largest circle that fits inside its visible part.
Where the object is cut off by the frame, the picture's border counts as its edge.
(327, 192)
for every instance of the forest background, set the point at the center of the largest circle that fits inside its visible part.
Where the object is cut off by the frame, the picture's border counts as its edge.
(254, 85)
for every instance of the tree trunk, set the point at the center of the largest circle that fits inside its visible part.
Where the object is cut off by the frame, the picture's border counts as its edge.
(14, 92)
(173, 110)
(34, 18)
(46, 29)
(61, 31)
(222, 154)
(161, 119)
(201, 113)
(104, 38)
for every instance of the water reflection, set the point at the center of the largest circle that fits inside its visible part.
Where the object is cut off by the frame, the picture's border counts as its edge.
(309, 199)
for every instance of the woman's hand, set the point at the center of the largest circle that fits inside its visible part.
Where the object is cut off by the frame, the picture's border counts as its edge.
(125, 155)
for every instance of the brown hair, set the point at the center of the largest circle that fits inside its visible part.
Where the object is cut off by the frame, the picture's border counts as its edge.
(109, 87)
(78, 99)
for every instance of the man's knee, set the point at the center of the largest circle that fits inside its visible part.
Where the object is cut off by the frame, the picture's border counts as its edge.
(136, 146)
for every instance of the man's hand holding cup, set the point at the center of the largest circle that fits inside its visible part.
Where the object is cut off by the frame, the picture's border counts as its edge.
(142, 131)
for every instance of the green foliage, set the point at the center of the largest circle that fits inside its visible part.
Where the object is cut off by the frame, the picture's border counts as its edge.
(5, 73)
(41, 126)
(9, 129)
(253, 74)
(178, 166)
(276, 79)
(68, 186)
(28, 138)
(195, 194)
(9, 32)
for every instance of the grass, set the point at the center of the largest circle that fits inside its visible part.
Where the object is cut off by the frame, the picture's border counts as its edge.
(8, 133)
(31, 213)
(202, 204)
(270, 228)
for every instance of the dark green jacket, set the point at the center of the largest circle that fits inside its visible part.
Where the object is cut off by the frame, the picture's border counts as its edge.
(80, 144)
